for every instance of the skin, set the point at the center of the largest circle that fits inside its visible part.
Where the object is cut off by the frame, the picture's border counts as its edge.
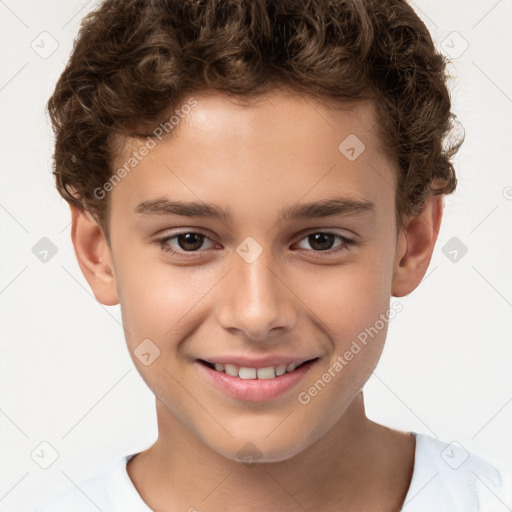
(293, 299)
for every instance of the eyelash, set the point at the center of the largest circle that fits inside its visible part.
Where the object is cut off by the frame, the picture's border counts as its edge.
(163, 244)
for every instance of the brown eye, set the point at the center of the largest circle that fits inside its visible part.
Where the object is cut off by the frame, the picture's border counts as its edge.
(190, 241)
(321, 241)
(183, 243)
(325, 241)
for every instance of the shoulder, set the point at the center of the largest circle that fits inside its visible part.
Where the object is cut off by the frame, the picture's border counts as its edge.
(447, 477)
(110, 491)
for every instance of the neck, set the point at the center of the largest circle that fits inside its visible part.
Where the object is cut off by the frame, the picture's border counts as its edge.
(357, 464)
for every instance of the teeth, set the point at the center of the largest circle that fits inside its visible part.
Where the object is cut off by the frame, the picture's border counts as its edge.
(266, 373)
(291, 367)
(248, 373)
(281, 369)
(231, 369)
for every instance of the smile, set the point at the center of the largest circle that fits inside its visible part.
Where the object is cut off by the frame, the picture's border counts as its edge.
(254, 384)
(245, 372)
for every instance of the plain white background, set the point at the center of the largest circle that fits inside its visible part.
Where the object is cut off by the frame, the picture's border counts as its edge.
(66, 376)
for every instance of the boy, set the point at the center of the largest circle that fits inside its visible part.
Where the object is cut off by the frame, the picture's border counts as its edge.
(300, 145)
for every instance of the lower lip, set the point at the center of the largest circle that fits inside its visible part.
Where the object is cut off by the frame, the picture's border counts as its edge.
(255, 390)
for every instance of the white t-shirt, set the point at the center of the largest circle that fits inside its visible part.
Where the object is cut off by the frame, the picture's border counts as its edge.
(446, 478)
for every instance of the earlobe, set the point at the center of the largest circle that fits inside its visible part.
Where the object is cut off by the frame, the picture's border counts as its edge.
(415, 247)
(93, 256)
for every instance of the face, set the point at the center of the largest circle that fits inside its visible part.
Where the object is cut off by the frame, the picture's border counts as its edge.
(274, 281)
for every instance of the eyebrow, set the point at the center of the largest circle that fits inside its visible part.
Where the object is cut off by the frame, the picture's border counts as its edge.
(344, 206)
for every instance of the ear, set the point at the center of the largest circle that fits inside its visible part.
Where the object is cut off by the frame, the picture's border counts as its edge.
(415, 246)
(93, 255)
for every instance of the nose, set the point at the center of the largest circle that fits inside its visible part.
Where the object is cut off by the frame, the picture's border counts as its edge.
(256, 300)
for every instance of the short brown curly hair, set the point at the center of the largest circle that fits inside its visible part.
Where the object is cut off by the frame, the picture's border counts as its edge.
(134, 61)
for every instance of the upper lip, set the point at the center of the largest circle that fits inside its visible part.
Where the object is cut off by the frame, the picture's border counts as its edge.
(262, 362)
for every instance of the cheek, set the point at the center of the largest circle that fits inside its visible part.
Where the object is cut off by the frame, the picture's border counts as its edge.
(348, 298)
(353, 302)
(160, 301)
(152, 298)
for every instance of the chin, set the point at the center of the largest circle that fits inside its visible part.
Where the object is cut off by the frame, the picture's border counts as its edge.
(257, 450)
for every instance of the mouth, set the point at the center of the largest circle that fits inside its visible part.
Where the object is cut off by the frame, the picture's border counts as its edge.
(248, 383)
(251, 373)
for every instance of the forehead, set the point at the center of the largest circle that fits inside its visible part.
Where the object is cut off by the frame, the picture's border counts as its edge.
(261, 153)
